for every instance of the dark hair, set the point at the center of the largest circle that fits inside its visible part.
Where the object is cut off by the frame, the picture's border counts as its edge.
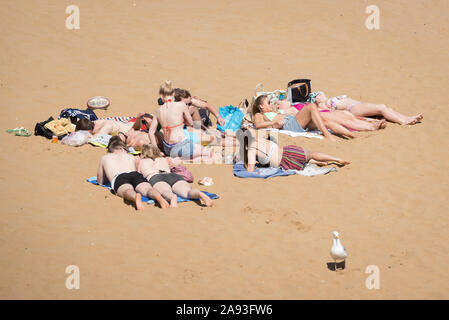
(84, 124)
(181, 94)
(256, 105)
(115, 143)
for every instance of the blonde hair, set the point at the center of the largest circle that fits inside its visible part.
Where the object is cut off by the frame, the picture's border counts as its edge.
(166, 89)
(150, 151)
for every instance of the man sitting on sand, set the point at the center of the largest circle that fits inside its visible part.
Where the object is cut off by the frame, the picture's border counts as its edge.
(119, 167)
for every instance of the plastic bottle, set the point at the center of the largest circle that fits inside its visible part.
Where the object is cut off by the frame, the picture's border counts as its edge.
(54, 139)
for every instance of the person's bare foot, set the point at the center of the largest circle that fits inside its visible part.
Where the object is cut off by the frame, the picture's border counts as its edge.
(163, 203)
(380, 124)
(414, 119)
(139, 203)
(343, 162)
(206, 200)
(174, 202)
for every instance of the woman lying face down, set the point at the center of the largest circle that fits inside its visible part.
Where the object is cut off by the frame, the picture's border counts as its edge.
(156, 169)
(267, 152)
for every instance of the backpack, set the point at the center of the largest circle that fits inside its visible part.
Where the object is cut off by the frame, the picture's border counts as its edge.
(40, 130)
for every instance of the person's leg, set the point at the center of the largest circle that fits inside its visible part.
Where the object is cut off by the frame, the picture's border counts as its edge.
(166, 192)
(196, 117)
(338, 128)
(323, 158)
(183, 189)
(369, 109)
(349, 120)
(145, 189)
(126, 191)
(309, 117)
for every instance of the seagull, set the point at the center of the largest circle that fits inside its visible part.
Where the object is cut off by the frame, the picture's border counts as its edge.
(338, 252)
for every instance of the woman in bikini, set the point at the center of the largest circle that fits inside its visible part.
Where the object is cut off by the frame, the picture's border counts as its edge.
(290, 157)
(363, 109)
(156, 170)
(264, 116)
(340, 122)
(171, 116)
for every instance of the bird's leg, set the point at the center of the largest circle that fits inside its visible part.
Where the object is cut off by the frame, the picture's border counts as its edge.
(335, 262)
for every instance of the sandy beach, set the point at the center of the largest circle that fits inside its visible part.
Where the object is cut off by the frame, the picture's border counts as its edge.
(263, 239)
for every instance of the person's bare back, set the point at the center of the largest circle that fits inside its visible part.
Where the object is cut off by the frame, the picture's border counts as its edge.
(171, 116)
(149, 167)
(117, 163)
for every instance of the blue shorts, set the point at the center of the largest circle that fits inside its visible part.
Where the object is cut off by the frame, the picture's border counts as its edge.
(291, 124)
(183, 149)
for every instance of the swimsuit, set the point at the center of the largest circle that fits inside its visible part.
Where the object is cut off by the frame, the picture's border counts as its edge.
(133, 178)
(291, 124)
(168, 177)
(268, 156)
(293, 158)
(272, 115)
(335, 101)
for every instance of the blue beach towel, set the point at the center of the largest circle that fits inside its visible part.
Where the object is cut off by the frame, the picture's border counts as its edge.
(240, 171)
(310, 170)
(93, 180)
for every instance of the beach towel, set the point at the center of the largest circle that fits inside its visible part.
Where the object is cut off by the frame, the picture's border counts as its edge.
(121, 119)
(309, 170)
(308, 134)
(265, 173)
(93, 180)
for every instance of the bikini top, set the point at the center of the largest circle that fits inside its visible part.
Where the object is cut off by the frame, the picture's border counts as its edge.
(272, 115)
(169, 128)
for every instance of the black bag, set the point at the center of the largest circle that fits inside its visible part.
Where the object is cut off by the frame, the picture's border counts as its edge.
(299, 90)
(40, 130)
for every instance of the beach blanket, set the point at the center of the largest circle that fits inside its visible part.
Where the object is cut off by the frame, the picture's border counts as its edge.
(265, 173)
(93, 180)
(309, 134)
(309, 170)
(121, 119)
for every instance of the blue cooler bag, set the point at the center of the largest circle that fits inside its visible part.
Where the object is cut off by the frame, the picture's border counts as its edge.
(232, 116)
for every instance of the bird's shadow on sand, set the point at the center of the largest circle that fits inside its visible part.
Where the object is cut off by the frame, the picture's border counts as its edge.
(340, 265)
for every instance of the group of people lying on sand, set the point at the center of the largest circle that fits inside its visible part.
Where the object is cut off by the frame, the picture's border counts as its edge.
(176, 130)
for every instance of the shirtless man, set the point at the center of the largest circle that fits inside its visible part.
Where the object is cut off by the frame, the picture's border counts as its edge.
(119, 167)
(195, 104)
(99, 127)
(172, 115)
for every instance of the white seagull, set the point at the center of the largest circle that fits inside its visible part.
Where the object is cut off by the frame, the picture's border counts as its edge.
(338, 252)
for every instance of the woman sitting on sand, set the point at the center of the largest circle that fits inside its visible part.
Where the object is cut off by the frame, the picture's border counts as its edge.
(309, 118)
(290, 157)
(363, 109)
(156, 170)
(339, 122)
(171, 116)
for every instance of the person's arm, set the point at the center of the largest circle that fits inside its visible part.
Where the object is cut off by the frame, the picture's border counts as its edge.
(205, 105)
(138, 122)
(252, 153)
(100, 172)
(187, 117)
(260, 122)
(152, 131)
